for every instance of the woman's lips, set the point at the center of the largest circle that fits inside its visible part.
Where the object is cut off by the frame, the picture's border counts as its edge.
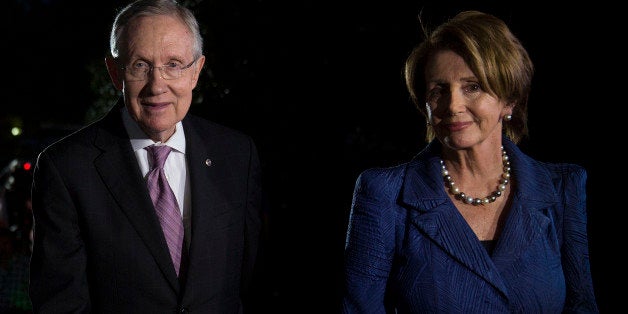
(457, 126)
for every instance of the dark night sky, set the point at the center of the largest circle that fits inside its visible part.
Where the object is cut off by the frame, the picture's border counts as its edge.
(318, 85)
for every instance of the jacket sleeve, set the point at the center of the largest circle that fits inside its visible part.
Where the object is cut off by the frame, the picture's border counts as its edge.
(575, 251)
(253, 226)
(58, 277)
(369, 246)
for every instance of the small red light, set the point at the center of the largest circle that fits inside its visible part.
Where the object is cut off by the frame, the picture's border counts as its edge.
(26, 166)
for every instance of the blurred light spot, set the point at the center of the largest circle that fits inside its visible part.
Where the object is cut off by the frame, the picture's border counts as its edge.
(15, 131)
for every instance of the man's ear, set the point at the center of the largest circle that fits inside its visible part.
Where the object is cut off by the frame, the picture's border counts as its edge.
(198, 67)
(115, 73)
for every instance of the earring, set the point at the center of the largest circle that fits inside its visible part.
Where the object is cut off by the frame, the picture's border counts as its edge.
(508, 117)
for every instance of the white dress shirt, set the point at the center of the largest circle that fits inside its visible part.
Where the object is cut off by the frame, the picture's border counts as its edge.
(175, 166)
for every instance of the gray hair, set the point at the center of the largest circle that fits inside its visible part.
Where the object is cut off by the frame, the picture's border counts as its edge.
(141, 8)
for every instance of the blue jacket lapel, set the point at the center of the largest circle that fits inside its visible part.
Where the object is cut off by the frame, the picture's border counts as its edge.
(440, 221)
(534, 198)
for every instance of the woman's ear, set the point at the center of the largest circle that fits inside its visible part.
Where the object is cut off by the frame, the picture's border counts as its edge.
(509, 108)
(115, 73)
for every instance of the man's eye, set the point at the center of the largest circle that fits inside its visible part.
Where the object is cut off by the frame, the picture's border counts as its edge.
(172, 65)
(140, 65)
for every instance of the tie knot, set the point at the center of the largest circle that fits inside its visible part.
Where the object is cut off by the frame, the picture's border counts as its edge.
(158, 155)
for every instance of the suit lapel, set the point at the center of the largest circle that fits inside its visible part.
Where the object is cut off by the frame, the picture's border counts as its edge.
(202, 154)
(120, 172)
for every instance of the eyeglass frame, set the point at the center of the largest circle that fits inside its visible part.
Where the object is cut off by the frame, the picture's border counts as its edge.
(161, 69)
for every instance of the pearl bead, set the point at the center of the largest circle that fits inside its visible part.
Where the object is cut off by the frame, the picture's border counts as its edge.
(503, 182)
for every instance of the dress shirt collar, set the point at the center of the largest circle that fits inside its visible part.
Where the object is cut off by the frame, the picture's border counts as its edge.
(139, 139)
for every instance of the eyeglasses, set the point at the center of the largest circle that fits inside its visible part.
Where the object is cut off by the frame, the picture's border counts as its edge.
(170, 71)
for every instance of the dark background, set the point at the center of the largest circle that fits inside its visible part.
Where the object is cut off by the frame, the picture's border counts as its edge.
(318, 84)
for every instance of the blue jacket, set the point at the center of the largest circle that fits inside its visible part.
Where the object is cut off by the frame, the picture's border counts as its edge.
(408, 249)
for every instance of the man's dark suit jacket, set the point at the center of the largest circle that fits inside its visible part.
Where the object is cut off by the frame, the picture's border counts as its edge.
(98, 243)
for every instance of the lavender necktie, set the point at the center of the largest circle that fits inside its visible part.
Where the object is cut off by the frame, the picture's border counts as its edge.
(165, 203)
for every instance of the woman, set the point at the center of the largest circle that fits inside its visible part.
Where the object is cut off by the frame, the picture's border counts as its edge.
(471, 224)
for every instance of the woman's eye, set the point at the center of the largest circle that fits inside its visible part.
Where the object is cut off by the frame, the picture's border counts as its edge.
(473, 88)
(436, 91)
(433, 95)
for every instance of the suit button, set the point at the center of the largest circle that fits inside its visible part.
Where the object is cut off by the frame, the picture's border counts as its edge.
(182, 309)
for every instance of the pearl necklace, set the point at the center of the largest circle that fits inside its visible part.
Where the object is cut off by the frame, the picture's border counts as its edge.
(503, 181)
